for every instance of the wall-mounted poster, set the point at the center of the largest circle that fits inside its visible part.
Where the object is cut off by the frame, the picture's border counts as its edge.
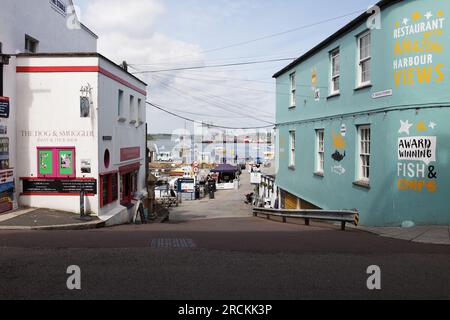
(4, 107)
(66, 162)
(45, 162)
(86, 166)
(4, 153)
(6, 190)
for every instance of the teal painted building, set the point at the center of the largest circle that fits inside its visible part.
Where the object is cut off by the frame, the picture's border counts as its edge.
(363, 118)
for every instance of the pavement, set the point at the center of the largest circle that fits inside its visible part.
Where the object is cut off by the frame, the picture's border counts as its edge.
(46, 219)
(420, 234)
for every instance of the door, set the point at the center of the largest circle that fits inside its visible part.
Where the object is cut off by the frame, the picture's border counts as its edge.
(126, 188)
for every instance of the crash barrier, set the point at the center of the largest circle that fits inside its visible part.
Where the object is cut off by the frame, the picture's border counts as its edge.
(342, 216)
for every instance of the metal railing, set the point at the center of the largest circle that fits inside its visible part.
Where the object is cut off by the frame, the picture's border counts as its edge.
(342, 216)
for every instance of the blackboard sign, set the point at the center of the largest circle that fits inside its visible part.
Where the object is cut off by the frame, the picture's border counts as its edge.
(59, 186)
(4, 107)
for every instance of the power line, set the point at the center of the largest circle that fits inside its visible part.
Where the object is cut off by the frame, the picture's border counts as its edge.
(216, 66)
(224, 104)
(307, 26)
(212, 81)
(209, 125)
(284, 32)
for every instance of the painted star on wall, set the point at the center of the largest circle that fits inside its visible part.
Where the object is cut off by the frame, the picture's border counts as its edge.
(432, 125)
(428, 15)
(405, 126)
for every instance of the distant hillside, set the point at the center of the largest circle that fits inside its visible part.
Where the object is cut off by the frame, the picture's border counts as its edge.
(159, 136)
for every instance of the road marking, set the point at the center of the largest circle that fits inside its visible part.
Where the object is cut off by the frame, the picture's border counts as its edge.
(172, 244)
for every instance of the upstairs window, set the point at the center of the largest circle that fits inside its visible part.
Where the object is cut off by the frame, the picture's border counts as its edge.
(335, 72)
(292, 142)
(364, 59)
(132, 110)
(293, 90)
(120, 109)
(364, 137)
(59, 6)
(320, 160)
(141, 112)
(31, 44)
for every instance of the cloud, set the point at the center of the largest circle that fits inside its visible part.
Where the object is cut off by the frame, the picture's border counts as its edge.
(133, 17)
(126, 32)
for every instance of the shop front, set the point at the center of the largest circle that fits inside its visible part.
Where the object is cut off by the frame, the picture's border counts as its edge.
(129, 183)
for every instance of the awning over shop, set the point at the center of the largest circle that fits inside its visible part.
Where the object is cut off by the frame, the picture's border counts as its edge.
(225, 168)
(129, 168)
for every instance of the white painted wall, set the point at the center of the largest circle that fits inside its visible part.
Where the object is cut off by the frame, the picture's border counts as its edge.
(51, 102)
(40, 20)
(125, 134)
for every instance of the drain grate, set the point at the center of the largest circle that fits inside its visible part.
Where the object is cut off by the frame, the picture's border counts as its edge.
(172, 243)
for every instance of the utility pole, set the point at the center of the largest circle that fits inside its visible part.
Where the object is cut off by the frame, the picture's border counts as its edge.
(1, 71)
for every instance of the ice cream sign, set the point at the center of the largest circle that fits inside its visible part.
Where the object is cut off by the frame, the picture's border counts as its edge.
(418, 48)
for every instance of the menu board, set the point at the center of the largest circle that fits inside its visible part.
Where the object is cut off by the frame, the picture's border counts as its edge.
(59, 186)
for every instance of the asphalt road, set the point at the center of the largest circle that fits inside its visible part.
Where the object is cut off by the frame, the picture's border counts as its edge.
(233, 258)
(217, 250)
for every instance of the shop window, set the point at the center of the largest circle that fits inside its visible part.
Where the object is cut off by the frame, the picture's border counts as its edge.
(109, 189)
(4, 153)
(56, 163)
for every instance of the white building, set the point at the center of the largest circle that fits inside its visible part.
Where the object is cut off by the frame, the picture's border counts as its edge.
(76, 120)
(30, 26)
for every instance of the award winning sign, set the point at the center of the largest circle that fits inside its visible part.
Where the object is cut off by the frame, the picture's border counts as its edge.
(4, 107)
(59, 186)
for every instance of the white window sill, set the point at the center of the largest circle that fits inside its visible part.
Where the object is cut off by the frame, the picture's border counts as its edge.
(363, 86)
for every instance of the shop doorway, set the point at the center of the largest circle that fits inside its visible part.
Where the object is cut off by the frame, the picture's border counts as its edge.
(127, 193)
(129, 187)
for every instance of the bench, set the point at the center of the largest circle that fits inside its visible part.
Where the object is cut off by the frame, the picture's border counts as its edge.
(342, 216)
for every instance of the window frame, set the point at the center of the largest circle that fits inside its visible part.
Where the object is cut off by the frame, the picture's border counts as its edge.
(140, 117)
(364, 154)
(120, 105)
(111, 196)
(361, 61)
(320, 151)
(292, 148)
(30, 40)
(56, 170)
(132, 109)
(293, 90)
(333, 54)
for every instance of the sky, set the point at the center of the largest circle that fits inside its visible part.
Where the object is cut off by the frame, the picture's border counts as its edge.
(166, 34)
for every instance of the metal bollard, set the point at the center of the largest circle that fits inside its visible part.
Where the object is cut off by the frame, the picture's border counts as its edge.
(82, 207)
